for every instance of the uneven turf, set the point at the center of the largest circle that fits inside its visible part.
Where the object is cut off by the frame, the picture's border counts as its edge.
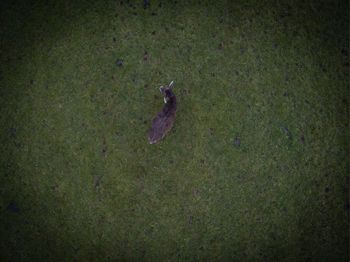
(256, 167)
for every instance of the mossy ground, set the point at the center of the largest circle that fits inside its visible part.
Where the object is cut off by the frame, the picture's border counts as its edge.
(256, 167)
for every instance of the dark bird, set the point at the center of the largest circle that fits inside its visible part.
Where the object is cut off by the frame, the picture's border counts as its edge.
(164, 120)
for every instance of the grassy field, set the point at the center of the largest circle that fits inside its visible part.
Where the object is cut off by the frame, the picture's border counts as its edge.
(256, 167)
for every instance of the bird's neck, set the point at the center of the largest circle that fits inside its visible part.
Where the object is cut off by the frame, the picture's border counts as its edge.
(170, 105)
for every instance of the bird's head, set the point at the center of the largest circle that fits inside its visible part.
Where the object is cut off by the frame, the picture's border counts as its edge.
(167, 92)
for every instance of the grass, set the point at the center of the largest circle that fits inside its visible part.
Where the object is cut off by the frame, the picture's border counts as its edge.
(255, 169)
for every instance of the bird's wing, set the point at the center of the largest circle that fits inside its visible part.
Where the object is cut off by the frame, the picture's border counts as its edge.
(160, 126)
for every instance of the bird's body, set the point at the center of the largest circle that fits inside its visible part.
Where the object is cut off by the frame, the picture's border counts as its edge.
(164, 120)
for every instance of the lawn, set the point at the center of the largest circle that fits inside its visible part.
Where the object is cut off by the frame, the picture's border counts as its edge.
(256, 167)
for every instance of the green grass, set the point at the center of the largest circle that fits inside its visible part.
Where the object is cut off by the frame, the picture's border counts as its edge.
(79, 180)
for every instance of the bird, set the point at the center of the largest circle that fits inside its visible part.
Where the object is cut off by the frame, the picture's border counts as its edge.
(164, 120)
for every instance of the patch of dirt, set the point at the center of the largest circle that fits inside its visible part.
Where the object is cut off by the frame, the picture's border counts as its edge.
(237, 141)
(12, 207)
(145, 56)
(97, 182)
(119, 62)
(104, 146)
